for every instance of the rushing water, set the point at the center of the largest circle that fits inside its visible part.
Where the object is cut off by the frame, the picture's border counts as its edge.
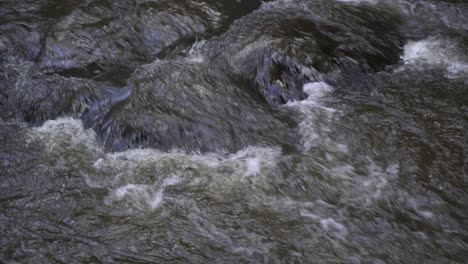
(233, 131)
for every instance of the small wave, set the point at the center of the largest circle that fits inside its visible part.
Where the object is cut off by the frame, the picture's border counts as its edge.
(317, 117)
(194, 54)
(139, 177)
(436, 52)
(141, 196)
(327, 224)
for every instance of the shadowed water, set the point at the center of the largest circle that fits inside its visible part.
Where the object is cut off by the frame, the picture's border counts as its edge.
(286, 131)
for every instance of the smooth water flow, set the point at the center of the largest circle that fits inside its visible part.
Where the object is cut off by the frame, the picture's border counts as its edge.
(206, 131)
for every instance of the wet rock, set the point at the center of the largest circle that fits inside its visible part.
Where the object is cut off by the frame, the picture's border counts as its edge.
(188, 106)
(301, 41)
(100, 39)
(58, 58)
(128, 33)
(23, 39)
(31, 95)
(426, 19)
(280, 79)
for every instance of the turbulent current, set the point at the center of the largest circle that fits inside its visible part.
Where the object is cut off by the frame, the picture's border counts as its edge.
(233, 131)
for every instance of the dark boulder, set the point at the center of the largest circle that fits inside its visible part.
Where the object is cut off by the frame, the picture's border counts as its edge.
(188, 106)
(28, 94)
(286, 44)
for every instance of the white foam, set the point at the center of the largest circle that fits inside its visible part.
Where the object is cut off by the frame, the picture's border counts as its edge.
(141, 196)
(252, 161)
(327, 224)
(316, 91)
(331, 225)
(317, 117)
(436, 52)
(69, 131)
(194, 54)
(138, 178)
(456, 69)
(217, 172)
(428, 49)
(427, 214)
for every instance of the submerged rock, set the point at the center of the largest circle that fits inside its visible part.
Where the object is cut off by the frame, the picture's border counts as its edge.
(185, 105)
(59, 58)
(31, 95)
(290, 43)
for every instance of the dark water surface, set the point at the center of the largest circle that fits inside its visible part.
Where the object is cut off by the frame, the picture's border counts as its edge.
(233, 131)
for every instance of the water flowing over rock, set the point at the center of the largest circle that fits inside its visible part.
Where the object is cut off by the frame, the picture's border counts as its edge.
(184, 105)
(233, 131)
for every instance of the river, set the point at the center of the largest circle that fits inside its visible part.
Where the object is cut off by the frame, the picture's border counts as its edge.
(233, 131)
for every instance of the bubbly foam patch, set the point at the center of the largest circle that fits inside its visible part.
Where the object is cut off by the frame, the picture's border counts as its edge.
(65, 131)
(433, 52)
(147, 179)
(430, 50)
(156, 171)
(139, 178)
(316, 116)
(140, 195)
(194, 54)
